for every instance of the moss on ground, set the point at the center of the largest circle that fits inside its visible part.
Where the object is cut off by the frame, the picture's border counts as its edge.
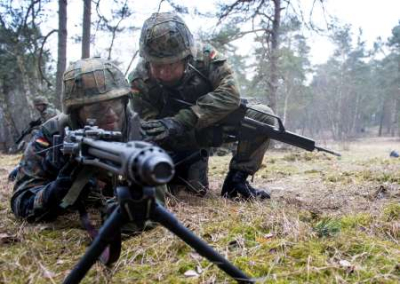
(330, 220)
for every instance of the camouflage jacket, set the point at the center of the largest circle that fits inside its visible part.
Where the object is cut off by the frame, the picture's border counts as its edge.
(37, 171)
(208, 88)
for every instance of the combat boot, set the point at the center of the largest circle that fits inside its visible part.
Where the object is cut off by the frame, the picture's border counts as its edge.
(236, 185)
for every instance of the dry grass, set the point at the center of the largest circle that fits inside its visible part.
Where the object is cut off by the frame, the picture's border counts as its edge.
(329, 221)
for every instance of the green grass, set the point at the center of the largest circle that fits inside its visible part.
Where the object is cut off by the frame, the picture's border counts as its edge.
(329, 221)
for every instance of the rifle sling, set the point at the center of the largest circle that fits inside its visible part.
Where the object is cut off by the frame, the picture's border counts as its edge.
(81, 180)
(112, 251)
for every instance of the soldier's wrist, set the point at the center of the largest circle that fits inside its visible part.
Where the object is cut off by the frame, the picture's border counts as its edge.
(187, 118)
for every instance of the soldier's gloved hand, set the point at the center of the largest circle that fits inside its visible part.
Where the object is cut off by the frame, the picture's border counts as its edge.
(34, 123)
(57, 189)
(161, 129)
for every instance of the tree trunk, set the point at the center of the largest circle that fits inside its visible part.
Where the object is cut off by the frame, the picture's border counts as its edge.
(395, 117)
(274, 56)
(381, 119)
(24, 78)
(87, 10)
(62, 49)
(7, 122)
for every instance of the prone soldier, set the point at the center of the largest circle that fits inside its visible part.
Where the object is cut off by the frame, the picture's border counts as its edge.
(92, 89)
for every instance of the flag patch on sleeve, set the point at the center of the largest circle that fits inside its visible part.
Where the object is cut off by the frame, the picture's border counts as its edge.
(42, 142)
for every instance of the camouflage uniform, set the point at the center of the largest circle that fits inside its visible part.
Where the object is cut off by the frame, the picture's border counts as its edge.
(38, 169)
(209, 88)
(48, 112)
(45, 115)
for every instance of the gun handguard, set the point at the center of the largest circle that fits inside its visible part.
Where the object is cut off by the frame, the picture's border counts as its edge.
(136, 161)
(282, 135)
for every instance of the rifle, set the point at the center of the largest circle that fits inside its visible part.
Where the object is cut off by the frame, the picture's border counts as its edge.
(139, 167)
(249, 127)
(28, 130)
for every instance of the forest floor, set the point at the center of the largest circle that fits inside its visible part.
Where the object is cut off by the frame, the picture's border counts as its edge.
(330, 220)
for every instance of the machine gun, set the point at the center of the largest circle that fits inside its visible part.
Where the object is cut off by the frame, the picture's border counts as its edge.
(139, 166)
(28, 130)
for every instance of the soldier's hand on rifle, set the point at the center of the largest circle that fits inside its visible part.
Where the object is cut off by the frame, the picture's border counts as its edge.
(161, 129)
(57, 189)
(34, 123)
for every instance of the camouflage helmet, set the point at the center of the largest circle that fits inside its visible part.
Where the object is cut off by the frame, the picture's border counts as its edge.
(40, 100)
(165, 39)
(92, 80)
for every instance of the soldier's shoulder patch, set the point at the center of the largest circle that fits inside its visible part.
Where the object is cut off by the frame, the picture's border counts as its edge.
(213, 54)
(42, 142)
(136, 86)
(135, 91)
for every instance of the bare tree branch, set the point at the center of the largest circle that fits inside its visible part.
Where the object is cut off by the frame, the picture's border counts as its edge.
(31, 6)
(125, 11)
(130, 63)
(40, 58)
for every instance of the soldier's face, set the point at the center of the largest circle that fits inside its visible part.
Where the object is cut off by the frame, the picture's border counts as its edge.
(168, 74)
(109, 115)
(40, 107)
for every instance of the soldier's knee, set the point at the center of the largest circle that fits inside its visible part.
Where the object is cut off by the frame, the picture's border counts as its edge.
(259, 113)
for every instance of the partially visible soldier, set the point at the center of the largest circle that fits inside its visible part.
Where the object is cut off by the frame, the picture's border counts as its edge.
(92, 89)
(45, 109)
(181, 89)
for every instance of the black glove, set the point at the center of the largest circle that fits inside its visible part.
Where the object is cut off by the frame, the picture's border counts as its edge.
(161, 129)
(57, 189)
(34, 123)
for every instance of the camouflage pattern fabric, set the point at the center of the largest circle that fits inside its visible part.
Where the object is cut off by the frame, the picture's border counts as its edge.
(40, 100)
(209, 86)
(165, 39)
(213, 97)
(250, 152)
(92, 80)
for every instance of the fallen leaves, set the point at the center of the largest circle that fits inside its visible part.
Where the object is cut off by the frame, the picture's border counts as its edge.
(265, 238)
(347, 265)
(194, 273)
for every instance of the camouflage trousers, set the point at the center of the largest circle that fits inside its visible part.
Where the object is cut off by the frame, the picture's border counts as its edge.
(247, 158)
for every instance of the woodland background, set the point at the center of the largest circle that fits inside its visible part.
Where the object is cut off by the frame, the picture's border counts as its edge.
(330, 219)
(355, 93)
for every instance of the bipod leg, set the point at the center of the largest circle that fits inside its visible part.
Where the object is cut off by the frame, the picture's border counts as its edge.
(102, 240)
(169, 221)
